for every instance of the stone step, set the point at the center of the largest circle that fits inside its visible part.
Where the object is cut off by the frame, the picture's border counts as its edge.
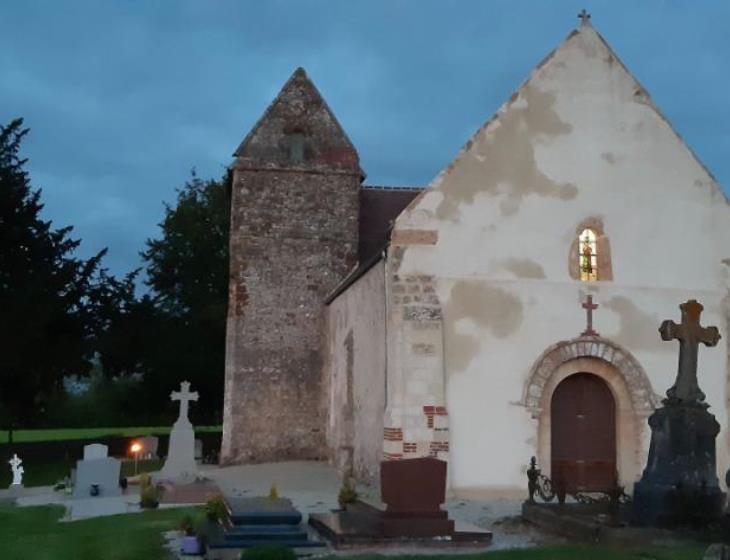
(247, 543)
(264, 529)
(265, 518)
(253, 535)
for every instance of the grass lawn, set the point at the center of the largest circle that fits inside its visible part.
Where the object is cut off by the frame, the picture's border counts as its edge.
(48, 473)
(34, 533)
(566, 552)
(22, 436)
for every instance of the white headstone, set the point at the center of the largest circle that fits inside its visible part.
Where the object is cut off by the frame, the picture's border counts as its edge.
(18, 470)
(97, 478)
(95, 451)
(180, 462)
(149, 447)
(198, 449)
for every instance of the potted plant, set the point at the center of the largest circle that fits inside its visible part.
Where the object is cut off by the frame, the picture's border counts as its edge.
(190, 543)
(347, 495)
(149, 494)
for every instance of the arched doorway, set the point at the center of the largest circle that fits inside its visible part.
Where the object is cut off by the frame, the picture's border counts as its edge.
(583, 433)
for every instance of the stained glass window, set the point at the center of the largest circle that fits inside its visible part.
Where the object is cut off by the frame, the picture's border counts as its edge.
(588, 256)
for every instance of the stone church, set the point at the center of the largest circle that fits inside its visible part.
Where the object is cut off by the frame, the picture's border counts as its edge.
(508, 309)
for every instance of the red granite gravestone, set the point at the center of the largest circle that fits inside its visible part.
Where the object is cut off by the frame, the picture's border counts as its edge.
(413, 490)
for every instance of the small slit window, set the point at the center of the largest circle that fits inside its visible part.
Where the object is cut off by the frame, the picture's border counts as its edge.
(588, 256)
(296, 147)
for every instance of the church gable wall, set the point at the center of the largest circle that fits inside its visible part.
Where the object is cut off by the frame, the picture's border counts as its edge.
(580, 142)
(355, 372)
(580, 139)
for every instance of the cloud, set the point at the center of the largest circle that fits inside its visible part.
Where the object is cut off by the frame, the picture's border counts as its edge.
(124, 98)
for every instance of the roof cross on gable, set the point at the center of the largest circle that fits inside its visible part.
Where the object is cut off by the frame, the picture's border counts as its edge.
(584, 17)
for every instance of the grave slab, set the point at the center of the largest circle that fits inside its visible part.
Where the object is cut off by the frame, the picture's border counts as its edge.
(97, 474)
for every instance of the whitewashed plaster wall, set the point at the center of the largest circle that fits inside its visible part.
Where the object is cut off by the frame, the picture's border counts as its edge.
(580, 139)
(355, 366)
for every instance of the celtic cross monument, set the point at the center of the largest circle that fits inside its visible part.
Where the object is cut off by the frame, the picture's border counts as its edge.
(679, 485)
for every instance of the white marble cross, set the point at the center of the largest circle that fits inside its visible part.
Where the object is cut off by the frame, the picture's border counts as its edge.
(184, 396)
(15, 464)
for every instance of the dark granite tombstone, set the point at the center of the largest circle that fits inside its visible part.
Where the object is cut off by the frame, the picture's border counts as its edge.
(679, 485)
(413, 490)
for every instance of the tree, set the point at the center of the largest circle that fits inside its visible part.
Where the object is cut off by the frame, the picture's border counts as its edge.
(47, 325)
(187, 270)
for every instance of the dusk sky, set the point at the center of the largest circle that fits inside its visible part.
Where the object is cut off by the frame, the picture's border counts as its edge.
(124, 98)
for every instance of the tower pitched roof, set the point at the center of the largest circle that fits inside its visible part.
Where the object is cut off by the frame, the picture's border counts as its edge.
(299, 114)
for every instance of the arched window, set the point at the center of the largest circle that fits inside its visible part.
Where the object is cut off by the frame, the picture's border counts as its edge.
(588, 255)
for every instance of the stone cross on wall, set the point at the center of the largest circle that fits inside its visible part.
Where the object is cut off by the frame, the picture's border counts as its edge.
(15, 465)
(590, 307)
(184, 396)
(689, 333)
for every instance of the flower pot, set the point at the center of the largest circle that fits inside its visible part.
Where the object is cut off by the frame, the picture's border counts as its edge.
(191, 545)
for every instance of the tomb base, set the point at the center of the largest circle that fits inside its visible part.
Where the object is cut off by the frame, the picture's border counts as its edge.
(180, 463)
(679, 485)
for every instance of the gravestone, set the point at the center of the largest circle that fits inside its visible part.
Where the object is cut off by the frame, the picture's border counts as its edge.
(96, 474)
(18, 470)
(413, 490)
(679, 485)
(180, 462)
(149, 447)
(198, 450)
(96, 451)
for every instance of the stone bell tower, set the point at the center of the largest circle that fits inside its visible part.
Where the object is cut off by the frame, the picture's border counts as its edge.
(294, 236)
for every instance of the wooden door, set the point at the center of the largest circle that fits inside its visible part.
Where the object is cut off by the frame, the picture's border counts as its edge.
(583, 434)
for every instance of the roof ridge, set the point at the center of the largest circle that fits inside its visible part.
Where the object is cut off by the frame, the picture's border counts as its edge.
(392, 187)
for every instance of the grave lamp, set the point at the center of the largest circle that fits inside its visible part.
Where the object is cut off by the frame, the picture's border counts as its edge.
(136, 448)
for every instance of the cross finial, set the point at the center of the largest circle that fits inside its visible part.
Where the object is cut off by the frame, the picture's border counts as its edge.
(690, 334)
(184, 396)
(584, 17)
(589, 306)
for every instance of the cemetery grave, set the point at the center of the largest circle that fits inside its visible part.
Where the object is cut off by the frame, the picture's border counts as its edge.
(413, 490)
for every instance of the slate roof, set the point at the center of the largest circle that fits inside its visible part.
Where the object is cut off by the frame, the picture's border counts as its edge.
(379, 207)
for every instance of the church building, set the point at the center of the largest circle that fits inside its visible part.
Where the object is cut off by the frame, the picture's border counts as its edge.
(508, 309)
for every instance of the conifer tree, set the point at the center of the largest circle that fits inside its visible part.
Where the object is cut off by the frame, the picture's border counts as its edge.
(46, 321)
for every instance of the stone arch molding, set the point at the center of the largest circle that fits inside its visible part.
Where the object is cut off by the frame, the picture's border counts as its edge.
(643, 398)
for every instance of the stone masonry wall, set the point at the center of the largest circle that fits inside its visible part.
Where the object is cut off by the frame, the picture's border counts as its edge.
(293, 238)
